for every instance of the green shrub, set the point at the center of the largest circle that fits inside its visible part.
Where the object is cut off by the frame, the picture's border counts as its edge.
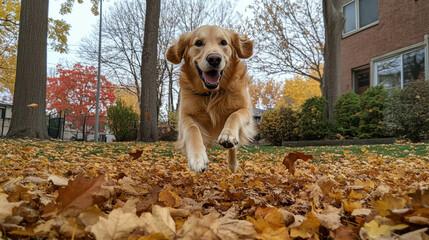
(168, 131)
(123, 121)
(280, 124)
(406, 113)
(314, 123)
(372, 103)
(347, 114)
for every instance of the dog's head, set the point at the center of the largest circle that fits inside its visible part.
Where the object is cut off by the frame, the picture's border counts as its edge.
(209, 50)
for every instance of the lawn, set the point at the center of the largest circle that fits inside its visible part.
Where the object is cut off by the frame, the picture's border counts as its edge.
(63, 189)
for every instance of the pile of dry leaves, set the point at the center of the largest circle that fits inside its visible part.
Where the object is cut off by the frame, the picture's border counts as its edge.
(72, 190)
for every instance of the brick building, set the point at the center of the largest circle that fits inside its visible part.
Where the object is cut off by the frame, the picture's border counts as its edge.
(385, 42)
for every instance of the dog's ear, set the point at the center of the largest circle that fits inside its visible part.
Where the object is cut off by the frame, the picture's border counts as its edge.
(176, 51)
(243, 45)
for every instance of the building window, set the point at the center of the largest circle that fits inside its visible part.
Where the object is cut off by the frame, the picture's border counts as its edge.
(398, 71)
(360, 14)
(361, 80)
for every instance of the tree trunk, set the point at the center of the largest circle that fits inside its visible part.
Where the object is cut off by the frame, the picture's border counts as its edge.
(148, 131)
(30, 84)
(331, 82)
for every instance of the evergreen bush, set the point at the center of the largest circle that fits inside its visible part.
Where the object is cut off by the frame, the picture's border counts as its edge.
(372, 104)
(280, 124)
(314, 123)
(123, 121)
(347, 114)
(407, 112)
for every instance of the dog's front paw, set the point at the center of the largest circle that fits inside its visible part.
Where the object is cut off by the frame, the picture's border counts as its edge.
(198, 162)
(227, 140)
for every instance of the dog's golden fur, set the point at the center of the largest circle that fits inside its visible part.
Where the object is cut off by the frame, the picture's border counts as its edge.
(213, 110)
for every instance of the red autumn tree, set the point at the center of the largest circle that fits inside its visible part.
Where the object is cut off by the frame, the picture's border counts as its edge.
(74, 91)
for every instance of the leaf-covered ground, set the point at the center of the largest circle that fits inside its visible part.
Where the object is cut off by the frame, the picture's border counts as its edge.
(76, 190)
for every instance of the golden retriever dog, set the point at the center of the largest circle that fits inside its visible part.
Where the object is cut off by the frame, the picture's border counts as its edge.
(215, 104)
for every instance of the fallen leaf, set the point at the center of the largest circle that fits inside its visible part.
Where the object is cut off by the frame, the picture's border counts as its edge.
(69, 227)
(117, 225)
(289, 160)
(169, 198)
(154, 236)
(361, 212)
(350, 206)
(75, 198)
(374, 230)
(326, 184)
(419, 234)
(343, 233)
(212, 226)
(91, 216)
(136, 154)
(330, 221)
(388, 203)
(278, 234)
(308, 227)
(6, 207)
(158, 221)
(58, 181)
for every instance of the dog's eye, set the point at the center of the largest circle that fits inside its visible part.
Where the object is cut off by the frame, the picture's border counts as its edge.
(223, 43)
(198, 43)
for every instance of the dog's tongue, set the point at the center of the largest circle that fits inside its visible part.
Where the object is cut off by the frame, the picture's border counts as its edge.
(211, 77)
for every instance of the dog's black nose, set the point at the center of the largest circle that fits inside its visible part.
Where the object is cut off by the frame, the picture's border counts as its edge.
(214, 59)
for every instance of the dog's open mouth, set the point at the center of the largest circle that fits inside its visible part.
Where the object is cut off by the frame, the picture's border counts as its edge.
(210, 78)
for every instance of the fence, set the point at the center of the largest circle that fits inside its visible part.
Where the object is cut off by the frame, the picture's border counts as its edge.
(78, 128)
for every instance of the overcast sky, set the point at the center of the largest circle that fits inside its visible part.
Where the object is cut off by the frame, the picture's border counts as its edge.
(82, 20)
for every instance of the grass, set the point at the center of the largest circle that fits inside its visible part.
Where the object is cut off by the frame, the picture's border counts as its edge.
(216, 153)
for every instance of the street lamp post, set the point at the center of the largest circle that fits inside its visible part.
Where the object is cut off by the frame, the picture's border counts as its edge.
(97, 103)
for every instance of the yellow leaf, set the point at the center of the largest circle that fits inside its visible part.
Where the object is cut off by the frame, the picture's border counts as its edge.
(278, 234)
(350, 206)
(354, 195)
(154, 236)
(307, 229)
(388, 203)
(374, 230)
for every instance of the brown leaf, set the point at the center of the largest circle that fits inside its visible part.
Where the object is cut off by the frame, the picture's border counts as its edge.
(135, 154)
(343, 233)
(147, 115)
(169, 198)
(33, 105)
(289, 160)
(75, 198)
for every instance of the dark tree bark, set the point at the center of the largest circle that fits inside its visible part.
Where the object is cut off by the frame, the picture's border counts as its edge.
(331, 80)
(30, 84)
(148, 130)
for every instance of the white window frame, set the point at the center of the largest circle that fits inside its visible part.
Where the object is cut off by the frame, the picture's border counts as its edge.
(357, 20)
(373, 71)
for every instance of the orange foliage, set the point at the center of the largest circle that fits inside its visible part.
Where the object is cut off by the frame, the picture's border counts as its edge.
(265, 94)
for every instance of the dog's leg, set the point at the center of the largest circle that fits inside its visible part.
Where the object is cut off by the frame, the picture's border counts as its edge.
(194, 146)
(229, 137)
(232, 159)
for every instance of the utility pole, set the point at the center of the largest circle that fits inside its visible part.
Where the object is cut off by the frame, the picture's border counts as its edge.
(97, 103)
